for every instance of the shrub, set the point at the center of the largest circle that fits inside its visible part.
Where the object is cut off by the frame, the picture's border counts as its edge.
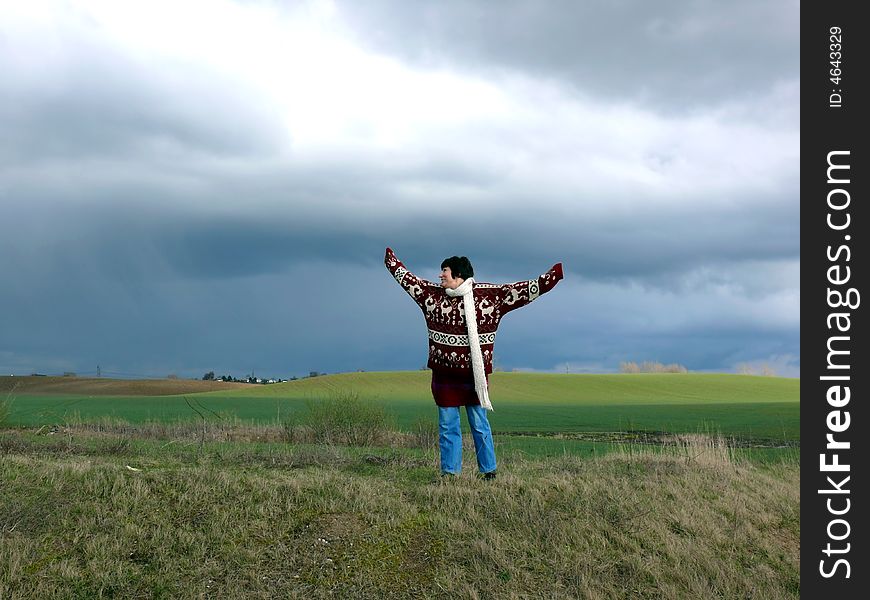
(344, 419)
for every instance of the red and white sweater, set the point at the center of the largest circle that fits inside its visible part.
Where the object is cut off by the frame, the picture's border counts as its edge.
(445, 316)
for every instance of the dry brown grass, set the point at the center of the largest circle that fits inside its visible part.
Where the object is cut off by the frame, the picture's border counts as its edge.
(110, 387)
(230, 429)
(709, 450)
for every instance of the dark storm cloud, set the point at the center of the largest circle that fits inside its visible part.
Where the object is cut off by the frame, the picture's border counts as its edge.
(355, 221)
(663, 54)
(203, 220)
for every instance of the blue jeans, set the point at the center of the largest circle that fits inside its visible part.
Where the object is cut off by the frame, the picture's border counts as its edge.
(450, 439)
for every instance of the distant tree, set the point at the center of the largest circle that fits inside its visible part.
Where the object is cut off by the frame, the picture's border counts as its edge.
(651, 366)
(748, 369)
(208, 376)
(172, 376)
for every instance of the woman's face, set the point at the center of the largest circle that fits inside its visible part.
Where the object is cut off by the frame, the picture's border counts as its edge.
(447, 280)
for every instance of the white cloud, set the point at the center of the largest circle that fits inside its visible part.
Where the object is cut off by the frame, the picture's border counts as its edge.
(328, 103)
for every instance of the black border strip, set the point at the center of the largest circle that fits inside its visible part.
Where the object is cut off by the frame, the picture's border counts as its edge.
(834, 227)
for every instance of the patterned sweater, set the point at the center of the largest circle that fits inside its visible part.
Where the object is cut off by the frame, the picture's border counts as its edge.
(445, 315)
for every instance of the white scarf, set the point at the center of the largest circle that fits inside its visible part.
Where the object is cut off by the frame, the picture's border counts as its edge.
(480, 387)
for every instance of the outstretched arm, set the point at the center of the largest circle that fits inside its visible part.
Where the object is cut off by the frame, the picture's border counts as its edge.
(417, 288)
(515, 295)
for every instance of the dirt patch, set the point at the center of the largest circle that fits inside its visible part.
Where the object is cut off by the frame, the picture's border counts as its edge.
(46, 386)
(327, 541)
(334, 527)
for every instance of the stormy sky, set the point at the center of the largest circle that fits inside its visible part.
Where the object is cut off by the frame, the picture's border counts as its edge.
(210, 185)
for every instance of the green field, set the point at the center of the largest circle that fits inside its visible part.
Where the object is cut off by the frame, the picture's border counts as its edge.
(740, 406)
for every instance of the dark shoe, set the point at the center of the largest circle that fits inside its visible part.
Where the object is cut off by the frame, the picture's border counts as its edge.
(489, 476)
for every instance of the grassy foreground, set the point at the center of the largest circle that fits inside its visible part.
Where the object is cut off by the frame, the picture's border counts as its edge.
(89, 514)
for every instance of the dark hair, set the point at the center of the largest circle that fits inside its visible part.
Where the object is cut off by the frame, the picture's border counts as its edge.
(460, 267)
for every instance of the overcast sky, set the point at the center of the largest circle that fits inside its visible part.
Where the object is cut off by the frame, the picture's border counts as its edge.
(210, 185)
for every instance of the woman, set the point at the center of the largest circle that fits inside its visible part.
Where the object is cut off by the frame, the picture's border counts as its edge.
(462, 316)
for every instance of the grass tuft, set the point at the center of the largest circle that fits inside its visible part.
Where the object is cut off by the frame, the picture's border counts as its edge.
(424, 434)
